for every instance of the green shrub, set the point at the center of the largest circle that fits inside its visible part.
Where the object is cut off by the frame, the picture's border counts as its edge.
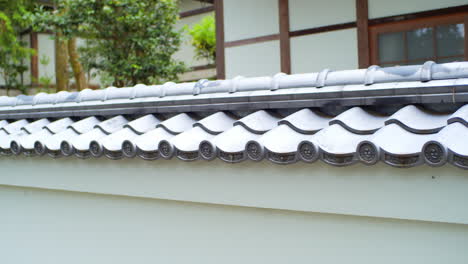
(204, 38)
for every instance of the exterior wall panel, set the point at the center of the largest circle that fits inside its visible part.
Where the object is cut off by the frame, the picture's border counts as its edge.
(253, 60)
(309, 14)
(245, 19)
(43, 226)
(336, 50)
(384, 8)
(420, 193)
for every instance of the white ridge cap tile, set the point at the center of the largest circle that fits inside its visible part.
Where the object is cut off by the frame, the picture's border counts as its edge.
(27, 142)
(15, 127)
(85, 124)
(359, 121)
(461, 115)
(335, 139)
(112, 144)
(36, 125)
(112, 125)
(59, 125)
(217, 122)
(187, 143)
(81, 143)
(259, 122)
(3, 123)
(416, 120)
(143, 124)
(178, 124)
(306, 121)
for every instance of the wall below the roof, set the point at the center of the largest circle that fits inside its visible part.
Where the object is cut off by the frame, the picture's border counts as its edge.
(97, 211)
(384, 8)
(259, 59)
(309, 52)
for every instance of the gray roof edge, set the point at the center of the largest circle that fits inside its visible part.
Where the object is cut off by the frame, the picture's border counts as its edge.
(413, 84)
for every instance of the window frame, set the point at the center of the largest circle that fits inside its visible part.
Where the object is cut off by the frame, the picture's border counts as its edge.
(412, 24)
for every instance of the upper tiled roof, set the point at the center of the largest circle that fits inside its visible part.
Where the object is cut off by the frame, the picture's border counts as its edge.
(399, 134)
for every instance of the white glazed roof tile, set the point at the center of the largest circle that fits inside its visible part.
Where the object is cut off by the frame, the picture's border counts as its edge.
(401, 136)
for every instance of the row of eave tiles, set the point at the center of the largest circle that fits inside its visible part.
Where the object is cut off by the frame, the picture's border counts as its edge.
(411, 136)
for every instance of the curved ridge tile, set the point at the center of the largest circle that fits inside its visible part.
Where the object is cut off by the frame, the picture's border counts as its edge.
(54, 143)
(146, 145)
(230, 145)
(80, 145)
(59, 125)
(337, 145)
(143, 124)
(449, 144)
(112, 144)
(461, 115)
(186, 144)
(28, 143)
(400, 148)
(216, 123)
(85, 125)
(359, 121)
(178, 124)
(3, 123)
(417, 120)
(306, 121)
(14, 127)
(112, 125)
(36, 125)
(259, 122)
(281, 151)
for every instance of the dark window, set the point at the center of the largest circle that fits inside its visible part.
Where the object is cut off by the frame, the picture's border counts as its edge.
(414, 42)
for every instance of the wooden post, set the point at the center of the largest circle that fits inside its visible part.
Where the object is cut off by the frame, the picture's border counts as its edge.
(220, 60)
(285, 45)
(362, 23)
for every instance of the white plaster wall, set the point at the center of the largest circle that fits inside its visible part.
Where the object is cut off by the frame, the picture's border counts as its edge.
(252, 60)
(309, 14)
(43, 226)
(46, 47)
(421, 193)
(245, 19)
(132, 211)
(383, 8)
(336, 50)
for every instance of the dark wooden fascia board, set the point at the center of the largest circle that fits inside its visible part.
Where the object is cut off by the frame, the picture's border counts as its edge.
(197, 11)
(220, 45)
(362, 19)
(285, 44)
(315, 30)
(254, 40)
(423, 14)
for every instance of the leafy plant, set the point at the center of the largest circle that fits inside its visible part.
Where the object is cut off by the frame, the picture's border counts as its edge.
(204, 38)
(12, 50)
(134, 40)
(46, 79)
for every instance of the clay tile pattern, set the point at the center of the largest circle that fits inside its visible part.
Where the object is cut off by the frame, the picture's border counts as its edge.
(403, 135)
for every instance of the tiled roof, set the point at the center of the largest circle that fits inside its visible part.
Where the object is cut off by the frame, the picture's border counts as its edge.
(400, 135)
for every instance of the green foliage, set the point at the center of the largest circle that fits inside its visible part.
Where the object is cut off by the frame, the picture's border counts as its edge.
(204, 38)
(133, 41)
(14, 17)
(46, 79)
